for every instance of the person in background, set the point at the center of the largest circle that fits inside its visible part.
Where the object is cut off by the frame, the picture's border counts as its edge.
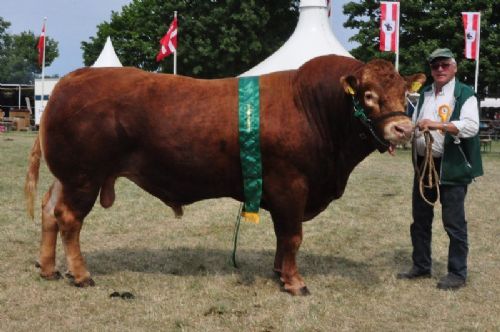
(449, 110)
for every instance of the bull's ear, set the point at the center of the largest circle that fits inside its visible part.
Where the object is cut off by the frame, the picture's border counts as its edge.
(414, 82)
(350, 84)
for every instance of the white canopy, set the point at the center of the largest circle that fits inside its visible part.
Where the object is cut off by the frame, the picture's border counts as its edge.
(490, 102)
(108, 57)
(312, 37)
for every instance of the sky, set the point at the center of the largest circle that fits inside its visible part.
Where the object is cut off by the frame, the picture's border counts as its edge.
(70, 22)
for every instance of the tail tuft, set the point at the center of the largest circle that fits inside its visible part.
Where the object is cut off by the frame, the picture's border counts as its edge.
(32, 177)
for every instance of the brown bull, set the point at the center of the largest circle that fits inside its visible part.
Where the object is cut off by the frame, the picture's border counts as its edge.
(177, 138)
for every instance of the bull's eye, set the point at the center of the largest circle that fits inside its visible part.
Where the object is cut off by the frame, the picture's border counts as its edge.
(371, 98)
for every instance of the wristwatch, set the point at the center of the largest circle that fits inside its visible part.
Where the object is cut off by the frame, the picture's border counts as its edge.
(445, 127)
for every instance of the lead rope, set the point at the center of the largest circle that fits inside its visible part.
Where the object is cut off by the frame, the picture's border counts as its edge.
(427, 168)
(235, 236)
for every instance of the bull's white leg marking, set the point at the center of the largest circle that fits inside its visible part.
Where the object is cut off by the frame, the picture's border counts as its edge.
(50, 229)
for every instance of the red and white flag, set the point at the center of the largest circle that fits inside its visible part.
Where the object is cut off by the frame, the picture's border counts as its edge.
(169, 41)
(389, 25)
(41, 45)
(471, 26)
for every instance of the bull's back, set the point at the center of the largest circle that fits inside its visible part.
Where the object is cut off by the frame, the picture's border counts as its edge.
(102, 121)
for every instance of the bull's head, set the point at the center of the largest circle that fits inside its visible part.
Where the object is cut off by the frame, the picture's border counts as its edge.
(380, 94)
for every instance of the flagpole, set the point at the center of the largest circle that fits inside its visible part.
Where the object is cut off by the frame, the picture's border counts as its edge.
(175, 52)
(477, 51)
(43, 63)
(397, 41)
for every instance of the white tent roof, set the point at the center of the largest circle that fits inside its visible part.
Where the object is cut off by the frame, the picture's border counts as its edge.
(108, 57)
(490, 102)
(312, 37)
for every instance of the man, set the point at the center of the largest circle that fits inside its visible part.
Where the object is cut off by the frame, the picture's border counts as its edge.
(449, 110)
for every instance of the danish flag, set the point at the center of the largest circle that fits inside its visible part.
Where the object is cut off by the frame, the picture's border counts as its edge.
(471, 26)
(389, 26)
(168, 42)
(41, 46)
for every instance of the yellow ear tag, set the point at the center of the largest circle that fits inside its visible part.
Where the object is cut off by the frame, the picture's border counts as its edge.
(415, 86)
(350, 90)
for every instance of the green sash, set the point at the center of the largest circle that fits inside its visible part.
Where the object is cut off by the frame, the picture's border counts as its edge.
(249, 138)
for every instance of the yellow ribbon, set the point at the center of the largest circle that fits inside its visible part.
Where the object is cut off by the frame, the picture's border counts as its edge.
(251, 217)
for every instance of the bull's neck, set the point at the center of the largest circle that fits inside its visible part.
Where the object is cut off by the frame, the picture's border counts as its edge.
(344, 140)
(351, 142)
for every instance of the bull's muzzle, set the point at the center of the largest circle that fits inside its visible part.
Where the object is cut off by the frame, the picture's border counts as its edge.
(399, 132)
(404, 130)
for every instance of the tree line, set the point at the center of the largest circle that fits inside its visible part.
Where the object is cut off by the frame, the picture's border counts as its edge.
(425, 26)
(225, 38)
(19, 55)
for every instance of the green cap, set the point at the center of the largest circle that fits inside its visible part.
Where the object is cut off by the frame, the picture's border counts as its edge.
(440, 53)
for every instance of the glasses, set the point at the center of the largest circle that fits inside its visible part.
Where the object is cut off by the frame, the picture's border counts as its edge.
(444, 65)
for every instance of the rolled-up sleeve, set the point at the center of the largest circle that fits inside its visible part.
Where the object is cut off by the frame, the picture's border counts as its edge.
(468, 124)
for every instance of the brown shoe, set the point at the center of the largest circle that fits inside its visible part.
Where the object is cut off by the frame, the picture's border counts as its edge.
(414, 273)
(451, 281)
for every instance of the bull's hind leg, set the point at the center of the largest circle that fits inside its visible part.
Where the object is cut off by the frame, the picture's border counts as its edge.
(47, 259)
(70, 212)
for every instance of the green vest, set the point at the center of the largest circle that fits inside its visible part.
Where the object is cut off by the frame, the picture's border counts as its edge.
(460, 162)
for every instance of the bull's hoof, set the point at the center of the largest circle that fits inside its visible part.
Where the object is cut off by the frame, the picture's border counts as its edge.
(86, 283)
(37, 264)
(56, 275)
(304, 291)
(69, 275)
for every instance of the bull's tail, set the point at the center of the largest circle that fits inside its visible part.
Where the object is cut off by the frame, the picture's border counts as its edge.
(32, 176)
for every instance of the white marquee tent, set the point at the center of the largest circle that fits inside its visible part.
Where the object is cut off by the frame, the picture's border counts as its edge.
(108, 57)
(312, 37)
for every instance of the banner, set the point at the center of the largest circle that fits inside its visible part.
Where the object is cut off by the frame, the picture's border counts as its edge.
(389, 26)
(471, 32)
(169, 41)
(41, 45)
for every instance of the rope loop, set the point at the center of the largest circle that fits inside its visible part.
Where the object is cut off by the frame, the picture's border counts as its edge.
(427, 170)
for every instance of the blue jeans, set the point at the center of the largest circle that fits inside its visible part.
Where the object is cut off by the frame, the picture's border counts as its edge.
(453, 212)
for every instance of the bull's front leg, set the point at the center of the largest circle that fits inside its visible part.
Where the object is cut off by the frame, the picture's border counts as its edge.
(288, 240)
(287, 196)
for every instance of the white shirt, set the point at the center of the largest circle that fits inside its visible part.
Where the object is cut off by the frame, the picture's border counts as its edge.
(467, 124)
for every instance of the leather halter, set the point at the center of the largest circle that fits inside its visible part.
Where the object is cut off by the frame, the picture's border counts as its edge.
(361, 114)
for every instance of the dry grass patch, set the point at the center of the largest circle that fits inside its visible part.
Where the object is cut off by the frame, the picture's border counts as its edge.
(180, 274)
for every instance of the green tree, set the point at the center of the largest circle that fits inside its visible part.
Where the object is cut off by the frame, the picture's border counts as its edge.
(19, 56)
(215, 38)
(426, 25)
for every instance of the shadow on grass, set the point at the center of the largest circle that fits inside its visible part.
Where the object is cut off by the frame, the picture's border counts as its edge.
(185, 261)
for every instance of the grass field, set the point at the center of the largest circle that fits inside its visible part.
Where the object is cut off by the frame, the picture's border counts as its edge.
(180, 273)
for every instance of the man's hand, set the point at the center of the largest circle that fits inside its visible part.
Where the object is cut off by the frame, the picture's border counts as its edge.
(427, 124)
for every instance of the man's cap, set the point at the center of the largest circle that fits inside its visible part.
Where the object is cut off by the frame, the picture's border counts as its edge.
(440, 53)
